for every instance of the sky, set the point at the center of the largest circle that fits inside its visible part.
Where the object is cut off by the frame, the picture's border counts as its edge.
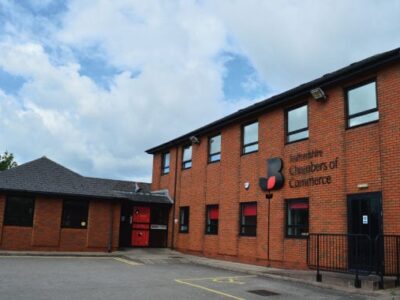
(93, 84)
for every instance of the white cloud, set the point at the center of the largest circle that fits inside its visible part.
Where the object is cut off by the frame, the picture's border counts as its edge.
(176, 47)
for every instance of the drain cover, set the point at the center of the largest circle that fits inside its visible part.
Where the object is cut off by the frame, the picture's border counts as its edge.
(264, 293)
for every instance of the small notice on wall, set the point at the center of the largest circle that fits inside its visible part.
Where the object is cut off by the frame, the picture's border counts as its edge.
(365, 219)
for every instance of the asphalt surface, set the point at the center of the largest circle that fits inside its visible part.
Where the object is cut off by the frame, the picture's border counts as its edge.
(88, 278)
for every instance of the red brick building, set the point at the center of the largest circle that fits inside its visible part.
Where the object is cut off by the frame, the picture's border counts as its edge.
(328, 150)
(47, 207)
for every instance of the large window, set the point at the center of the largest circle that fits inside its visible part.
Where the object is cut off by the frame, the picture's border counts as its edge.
(187, 157)
(184, 219)
(362, 104)
(214, 148)
(212, 215)
(248, 219)
(165, 163)
(250, 138)
(297, 218)
(297, 123)
(19, 211)
(75, 214)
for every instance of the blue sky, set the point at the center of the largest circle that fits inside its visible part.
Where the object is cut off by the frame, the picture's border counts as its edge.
(93, 84)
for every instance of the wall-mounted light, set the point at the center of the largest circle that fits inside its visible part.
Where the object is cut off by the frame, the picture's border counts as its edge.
(362, 186)
(194, 140)
(318, 94)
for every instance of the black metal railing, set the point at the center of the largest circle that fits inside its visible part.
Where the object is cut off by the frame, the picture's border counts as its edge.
(354, 253)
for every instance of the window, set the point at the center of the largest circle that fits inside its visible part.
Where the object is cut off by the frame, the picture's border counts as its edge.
(75, 214)
(297, 124)
(297, 218)
(212, 215)
(362, 104)
(248, 219)
(187, 157)
(184, 220)
(250, 138)
(19, 211)
(214, 148)
(165, 163)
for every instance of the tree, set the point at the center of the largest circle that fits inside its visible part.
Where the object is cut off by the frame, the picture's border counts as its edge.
(7, 161)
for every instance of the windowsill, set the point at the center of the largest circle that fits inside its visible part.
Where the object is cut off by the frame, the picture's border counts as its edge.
(247, 236)
(251, 152)
(184, 232)
(19, 226)
(296, 237)
(212, 234)
(293, 142)
(184, 169)
(361, 125)
(163, 174)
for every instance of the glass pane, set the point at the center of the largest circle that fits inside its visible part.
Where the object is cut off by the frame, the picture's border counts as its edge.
(166, 160)
(362, 98)
(297, 118)
(252, 148)
(215, 144)
(187, 153)
(187, 164)
(364, 119)
(298, 136)
(250, 133)
(215, 157)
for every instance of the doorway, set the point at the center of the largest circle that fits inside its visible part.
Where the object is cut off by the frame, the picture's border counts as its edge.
(364, 225)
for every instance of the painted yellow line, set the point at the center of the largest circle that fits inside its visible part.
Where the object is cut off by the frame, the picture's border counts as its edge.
(219, 278)
(208, 289)
(129, 262)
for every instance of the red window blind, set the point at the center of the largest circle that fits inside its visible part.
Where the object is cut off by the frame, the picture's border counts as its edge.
(250, 210)
(298, 205)
(213, 213)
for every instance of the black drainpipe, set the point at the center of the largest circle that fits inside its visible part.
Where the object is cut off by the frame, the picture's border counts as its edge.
(173, 206)
(110, 237)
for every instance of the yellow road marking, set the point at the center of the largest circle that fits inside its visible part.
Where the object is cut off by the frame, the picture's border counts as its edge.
(208, 289)
(129, 262)
(228, 280)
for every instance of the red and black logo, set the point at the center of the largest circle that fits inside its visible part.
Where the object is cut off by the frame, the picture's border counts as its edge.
(275, 179)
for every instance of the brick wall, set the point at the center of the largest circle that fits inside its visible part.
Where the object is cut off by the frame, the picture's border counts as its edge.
(366, 154)
(46, 233)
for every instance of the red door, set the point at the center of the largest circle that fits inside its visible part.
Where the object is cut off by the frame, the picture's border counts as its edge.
(140, 226)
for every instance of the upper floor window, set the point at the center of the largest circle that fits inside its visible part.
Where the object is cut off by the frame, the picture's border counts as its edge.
(19, 211)
(184, 219)
(212, 215)
(187, 157)
(362, 104)
(75, 214)
(214, 148)
(297, 123)
(165, 163)
(297, 218)
(248, 219)
(250, 138)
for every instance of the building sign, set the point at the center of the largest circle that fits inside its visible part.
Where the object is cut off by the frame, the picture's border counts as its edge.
(304, 171)
(275, 179)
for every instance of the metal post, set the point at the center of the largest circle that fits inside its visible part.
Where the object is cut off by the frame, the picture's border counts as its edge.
(381, 258)
(398, 262)
(357, 282)
(319, 276)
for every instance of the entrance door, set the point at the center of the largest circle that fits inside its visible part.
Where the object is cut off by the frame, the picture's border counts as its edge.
(140, 226)
(364, 225)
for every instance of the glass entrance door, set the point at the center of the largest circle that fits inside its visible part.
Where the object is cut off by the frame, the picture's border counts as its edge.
(364, 225)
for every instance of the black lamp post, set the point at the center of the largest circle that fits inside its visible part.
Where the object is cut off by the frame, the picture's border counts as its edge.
(268, 196)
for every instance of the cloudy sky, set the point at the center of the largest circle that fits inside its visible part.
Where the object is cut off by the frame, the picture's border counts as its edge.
(93, 84)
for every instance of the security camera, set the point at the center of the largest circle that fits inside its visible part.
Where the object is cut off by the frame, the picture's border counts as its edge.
(194, 140)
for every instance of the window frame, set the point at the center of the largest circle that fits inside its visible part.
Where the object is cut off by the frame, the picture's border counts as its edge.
(348, 117)
(210, 155)
(243, 145)
(86, 202)
(241, 207)
(163, 168)
(6, 220)
(296, 200)
(208, 227)
(287, 133)
(181, 209)
(183, 157)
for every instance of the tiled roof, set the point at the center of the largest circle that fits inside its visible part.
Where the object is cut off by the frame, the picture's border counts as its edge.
(44, 176)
